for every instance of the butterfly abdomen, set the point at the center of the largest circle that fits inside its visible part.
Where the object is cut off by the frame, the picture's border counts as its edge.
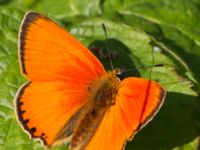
(102, 96)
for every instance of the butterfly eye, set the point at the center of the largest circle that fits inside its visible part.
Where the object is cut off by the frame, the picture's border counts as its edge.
(120, 76)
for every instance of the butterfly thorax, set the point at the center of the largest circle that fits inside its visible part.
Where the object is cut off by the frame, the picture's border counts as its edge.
(102, 96)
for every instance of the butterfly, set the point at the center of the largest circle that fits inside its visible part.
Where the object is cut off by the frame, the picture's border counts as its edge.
(70, 97)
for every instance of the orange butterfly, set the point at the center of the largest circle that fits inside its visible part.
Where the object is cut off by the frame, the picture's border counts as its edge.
(70, 98)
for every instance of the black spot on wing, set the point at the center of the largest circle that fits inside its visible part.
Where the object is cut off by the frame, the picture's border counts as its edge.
(24, 121)
(19, 110)
(33, 130)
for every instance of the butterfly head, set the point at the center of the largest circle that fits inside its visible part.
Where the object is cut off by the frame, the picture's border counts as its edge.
(120, 75)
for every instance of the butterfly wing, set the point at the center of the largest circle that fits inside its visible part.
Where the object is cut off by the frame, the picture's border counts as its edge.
(60, 71)
(137, 102)
(48, 52)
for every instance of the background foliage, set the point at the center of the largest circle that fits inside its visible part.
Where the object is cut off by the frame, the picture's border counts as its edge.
(171, 29)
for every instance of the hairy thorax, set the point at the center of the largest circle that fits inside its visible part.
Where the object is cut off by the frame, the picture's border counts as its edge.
(102, 96)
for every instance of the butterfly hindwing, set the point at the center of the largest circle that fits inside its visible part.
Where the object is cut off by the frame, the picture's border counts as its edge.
(60, 71)
(43, 108)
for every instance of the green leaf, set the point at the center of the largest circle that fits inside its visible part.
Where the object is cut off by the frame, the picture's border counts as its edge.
(191, 146)
(66, 8)
(173, 24)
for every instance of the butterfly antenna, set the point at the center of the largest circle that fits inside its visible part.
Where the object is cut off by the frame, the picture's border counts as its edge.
(132, 69)
(108, 48)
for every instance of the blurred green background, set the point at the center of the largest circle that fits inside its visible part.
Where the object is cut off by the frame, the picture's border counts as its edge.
(136, 28)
